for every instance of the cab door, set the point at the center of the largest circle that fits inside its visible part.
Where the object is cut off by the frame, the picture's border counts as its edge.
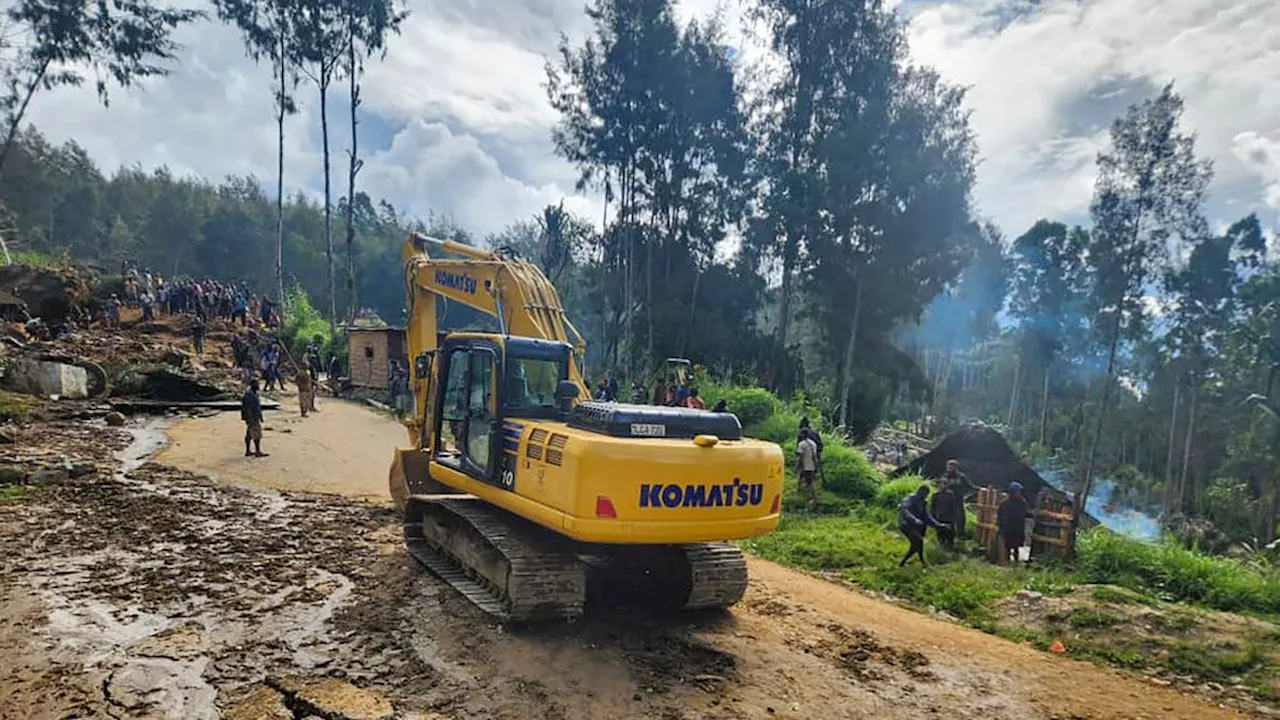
(482, 430)
(467, 432)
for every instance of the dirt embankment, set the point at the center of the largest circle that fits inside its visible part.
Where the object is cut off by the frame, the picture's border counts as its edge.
(163, 593)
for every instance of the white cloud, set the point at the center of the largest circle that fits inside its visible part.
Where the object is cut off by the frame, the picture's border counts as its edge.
(1045, 86)
(464, 122)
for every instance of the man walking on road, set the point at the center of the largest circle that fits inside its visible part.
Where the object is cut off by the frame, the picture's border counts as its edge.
(251, 414)
(306, 401)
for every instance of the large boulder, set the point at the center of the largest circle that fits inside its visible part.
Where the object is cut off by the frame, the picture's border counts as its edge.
(46, 378)
(163, 383)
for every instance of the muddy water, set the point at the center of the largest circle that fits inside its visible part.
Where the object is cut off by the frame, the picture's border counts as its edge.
(163, 593)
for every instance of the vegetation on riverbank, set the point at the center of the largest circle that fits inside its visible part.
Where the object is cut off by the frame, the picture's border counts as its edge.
(1155, 607)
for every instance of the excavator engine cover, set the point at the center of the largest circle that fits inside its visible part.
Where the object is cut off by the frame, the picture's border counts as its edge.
(624, 420)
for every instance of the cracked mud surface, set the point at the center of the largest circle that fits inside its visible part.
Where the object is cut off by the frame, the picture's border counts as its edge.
(164, 593)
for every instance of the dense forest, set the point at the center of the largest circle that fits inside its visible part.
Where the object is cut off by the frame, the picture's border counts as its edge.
(805, 224)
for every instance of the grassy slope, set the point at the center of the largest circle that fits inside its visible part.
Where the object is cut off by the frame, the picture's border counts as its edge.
(1180, 633)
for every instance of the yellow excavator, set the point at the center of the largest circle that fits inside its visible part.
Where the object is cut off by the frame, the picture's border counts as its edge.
(529, 498)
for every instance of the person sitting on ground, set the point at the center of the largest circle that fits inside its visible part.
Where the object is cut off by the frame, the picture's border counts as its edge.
(1011, 523)
(693, 401)
(913, 520)
(251, 414)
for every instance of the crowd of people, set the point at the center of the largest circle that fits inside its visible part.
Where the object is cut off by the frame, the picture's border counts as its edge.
(667, 392)
(205, 299)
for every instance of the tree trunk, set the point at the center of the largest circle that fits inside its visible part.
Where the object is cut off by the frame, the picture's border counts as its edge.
(352, 169)
(1082, 494)
(693, 310)
(1013, 395)
(332, 300)
(1186, 445)
(281, 107)
(1044, 408)
(11, 133)
(1173, 434)
(779, 369)
(846, 370)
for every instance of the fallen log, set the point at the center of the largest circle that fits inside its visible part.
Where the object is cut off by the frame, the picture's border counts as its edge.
(128, 405)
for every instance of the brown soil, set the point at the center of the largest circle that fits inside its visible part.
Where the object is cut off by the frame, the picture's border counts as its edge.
(162, 593)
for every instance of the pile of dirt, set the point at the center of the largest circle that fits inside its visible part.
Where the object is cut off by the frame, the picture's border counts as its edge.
(1222, 657)
(52, 294)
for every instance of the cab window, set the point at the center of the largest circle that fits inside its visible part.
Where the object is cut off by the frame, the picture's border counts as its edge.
(530, 386)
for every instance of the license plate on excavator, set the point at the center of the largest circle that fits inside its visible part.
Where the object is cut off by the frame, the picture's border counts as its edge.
(648, 430)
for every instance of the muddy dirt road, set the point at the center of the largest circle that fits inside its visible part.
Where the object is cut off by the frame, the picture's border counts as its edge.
(159, 592)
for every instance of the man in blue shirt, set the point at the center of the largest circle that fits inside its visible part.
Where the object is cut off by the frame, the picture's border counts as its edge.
(913, 518)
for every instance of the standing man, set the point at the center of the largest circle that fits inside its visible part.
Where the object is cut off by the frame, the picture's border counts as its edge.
(305, 389)
(251, 414)
(197, 334)
(913, 518)
(960, 488)
(807, 465)
(944, 507)
(1011, 523)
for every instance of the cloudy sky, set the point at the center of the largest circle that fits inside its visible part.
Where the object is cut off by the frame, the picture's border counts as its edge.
(456, 120)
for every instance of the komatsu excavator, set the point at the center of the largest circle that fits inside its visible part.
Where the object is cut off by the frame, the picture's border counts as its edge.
(527, 497)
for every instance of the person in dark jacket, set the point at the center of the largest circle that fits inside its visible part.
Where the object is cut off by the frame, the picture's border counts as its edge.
(251, 414)
(1011, 523)
(817, 439)
(944, 508)
(913, 518)
(960, 488)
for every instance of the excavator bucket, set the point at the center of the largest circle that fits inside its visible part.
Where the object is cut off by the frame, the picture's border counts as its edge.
(410, 476)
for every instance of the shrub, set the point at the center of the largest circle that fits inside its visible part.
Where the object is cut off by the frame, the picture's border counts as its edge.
(846, 471)
(752, 405)
(303, 324)
(777, 428)
(1177, 573)
(891, 494)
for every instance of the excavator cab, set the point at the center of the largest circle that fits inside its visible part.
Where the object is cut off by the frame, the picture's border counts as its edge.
(681, 369)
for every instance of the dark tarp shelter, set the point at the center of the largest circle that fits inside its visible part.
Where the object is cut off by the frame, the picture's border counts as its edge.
(985, 457)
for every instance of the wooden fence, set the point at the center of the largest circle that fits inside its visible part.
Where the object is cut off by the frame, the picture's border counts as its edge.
(1051, 535)
(989, 500)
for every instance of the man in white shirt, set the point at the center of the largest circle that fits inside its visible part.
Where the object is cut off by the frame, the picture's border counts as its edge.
(807, 464)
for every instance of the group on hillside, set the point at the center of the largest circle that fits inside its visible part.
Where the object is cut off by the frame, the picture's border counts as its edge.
(667, 392)
(205, 299)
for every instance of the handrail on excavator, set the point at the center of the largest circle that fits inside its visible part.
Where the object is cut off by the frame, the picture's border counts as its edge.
(421, 241)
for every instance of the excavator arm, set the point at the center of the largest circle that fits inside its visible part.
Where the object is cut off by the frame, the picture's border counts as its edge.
(514, 292)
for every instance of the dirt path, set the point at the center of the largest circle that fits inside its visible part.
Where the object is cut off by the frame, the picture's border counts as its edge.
(163, 594)
(344, 449)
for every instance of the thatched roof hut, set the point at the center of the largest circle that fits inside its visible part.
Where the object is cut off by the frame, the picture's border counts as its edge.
(985, 457)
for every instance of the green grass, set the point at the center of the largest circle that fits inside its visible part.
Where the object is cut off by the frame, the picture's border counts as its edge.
(10, 493)
(1175, 573)
(14, 406)
(852, 533)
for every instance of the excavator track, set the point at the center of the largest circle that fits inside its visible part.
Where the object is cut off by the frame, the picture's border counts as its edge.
(697, 576)
(718, 575)
(504, 565)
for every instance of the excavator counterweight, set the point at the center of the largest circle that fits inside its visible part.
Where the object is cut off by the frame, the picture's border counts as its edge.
(530, 499)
